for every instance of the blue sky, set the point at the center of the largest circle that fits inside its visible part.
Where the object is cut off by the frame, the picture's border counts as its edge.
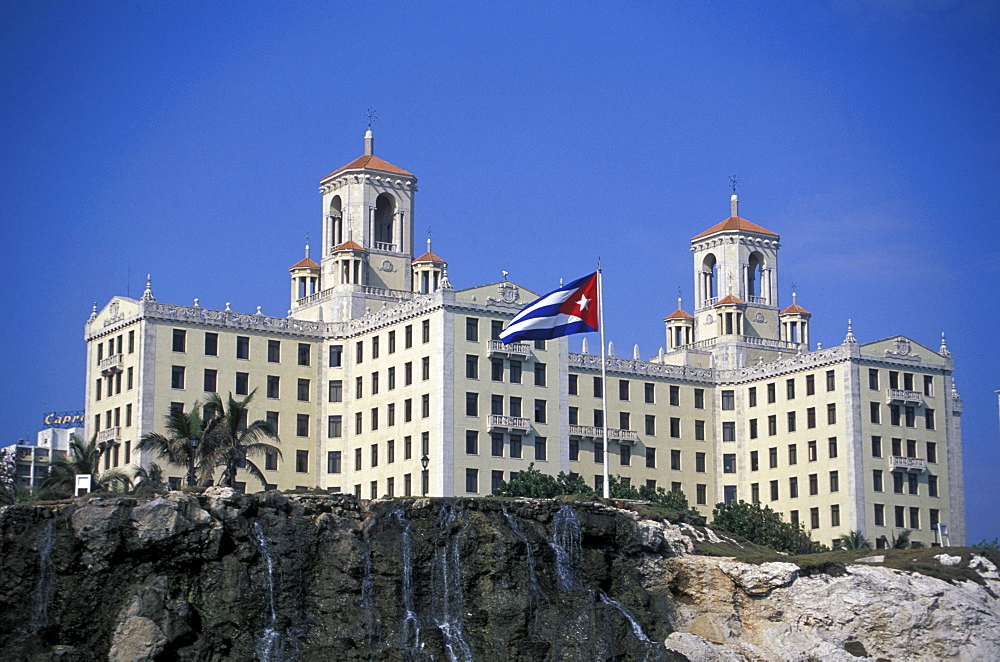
(186, 139)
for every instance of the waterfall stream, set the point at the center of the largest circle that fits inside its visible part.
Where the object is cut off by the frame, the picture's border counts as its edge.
(566, 540)
(411, 624)
(269, 637)
(636, 628)
(45, 585)
(447, 587)
(518, 530)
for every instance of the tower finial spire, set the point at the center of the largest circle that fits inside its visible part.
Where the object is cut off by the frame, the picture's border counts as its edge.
(734, 206)
(943, 351)
(148, 294)
(369, 138)
(850, 339)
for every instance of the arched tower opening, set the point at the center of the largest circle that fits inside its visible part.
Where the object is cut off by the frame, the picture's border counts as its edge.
(335, 221)
(385, 214)
(755, 266)
(710, 280)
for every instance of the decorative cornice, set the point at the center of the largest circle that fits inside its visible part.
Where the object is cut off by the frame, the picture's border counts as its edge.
(641, 368)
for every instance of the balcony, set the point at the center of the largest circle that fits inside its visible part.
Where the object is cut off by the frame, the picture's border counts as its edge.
(109, 435)
(895, 395)
(385, 246)
(111, 364)
(907, 463)
(522, 349)
(597, 432)
(512, 423)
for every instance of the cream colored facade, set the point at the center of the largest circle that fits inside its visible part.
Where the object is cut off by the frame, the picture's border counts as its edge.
(381, 363)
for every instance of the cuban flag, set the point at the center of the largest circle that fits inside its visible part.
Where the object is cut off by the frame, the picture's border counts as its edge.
(570, 309)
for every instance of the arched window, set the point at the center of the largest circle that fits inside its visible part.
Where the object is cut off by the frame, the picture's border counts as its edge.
(336, 220)
(385, 211)
(754, 266)
(710, 287)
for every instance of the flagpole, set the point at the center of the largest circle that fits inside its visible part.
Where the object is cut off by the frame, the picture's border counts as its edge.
(604, 377)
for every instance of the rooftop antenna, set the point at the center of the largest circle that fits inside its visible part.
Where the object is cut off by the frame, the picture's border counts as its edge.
(370, 117)
(734, 182)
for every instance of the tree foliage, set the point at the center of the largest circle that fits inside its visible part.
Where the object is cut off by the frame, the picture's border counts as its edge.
(84, 457)
(762, 526)
(854, 540)
(230, 442)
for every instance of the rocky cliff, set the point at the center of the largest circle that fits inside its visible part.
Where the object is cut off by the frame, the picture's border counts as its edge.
(221, 576)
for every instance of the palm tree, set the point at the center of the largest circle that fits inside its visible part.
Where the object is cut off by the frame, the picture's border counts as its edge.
(902, 541)
(148, 482)
(854, 540)
(229, 441)
(175, 446)
(84, 457)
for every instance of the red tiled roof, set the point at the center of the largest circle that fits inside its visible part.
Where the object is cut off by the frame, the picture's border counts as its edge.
(679, 314)
(349, 245)
(429, 257)
(369, 162)
(796, 308)
(730, 299)
(304, 262)
(735, 223)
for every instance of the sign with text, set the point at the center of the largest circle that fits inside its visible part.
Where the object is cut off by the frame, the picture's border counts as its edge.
(63, 419)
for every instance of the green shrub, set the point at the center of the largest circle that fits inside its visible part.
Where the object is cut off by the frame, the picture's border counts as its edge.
(762, 526)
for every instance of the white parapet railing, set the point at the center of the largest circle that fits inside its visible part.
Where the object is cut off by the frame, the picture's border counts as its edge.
(906, 397)
(511, 349)
(509, 423)
(111, 363)
(908, 463)
(597, 432)
(109, 434)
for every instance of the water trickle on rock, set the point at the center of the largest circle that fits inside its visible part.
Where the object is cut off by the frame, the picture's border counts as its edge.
(269, 637)
(566, 540)
(410, 627)
(447, 585)
(45, 585)
(518, 530)
(636, 628)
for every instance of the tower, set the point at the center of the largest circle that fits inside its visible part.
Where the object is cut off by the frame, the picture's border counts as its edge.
(305, 278)
(427, 271)
(736, 280)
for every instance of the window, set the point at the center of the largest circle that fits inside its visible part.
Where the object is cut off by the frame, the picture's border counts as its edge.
(623, 389)
(425, 405)
(334, 426)
(623, 420)
(496, 328)
(893, 379)
(301, 461)
(932, 452)
(359, 351)
(391, 377)
(701, 494)
(813, 484)
(832, 446)
(425, 368)
(176, 379)
(273, 351)
(932, 486)
(211, 380)
(911, 448)
(357, 459)
(302, 425)
(574, 385)
(834, 481)
(770, 393)
(598, 387)
(929, 419)
(599, 452)
(699, 430)
(729, 463)
(540, 411)
(336, 356)
(774, 490)
(810, 384)
(540, 345)
(894, 414)
(625, 456)
(242, 347)
(574, 415)
(928, 385)
(539, 374)
(650, 458)
(359, 387)
(790, 388)
(472, 480)
(472, 404)
(373, 490)
(333, 462)
(793, 488)
(515, 372)
(699, 398)
(752, 396)
(910, 415)
(407, 373)
(914, 518)
(515, 445)
(897, 482)
(728, 400)
(814, 517)
(873, 379)
(336, 390)
(753, 428)
(128, 420)
(729, 493)
(496, 444)
(374, 455)
(729, 431)
(392, 342)
(472, 329)
(407, 447)
(772, 425)
(180, 340)
(128, 378)
(273, 386)
(270, 460)
(302, 390)
(876, 446)
(897, 447)
(879, 514)
(831, 413)
(390, 414)
(913, 484)
(791, 421)
(374, 418)
(831, 380)
(934, 516)
(699, 462)
(675, 427)
(675, 460)
(425, 331)
(811, 451)
(900, 512)
(908, 381)
(407, 410)
(496, 370)
(375, 347)
(650, 425)
(131, 341)
(574, 449)
(408, 336)
(793, 455)
(811, 417)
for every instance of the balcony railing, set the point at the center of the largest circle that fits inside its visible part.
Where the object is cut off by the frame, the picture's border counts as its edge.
(907, 463)
(906, 397)
(512, 349)
(109, 435)
(597, 432)
(385, 246)
(509, 423)
(760, 300)
(111, 364)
